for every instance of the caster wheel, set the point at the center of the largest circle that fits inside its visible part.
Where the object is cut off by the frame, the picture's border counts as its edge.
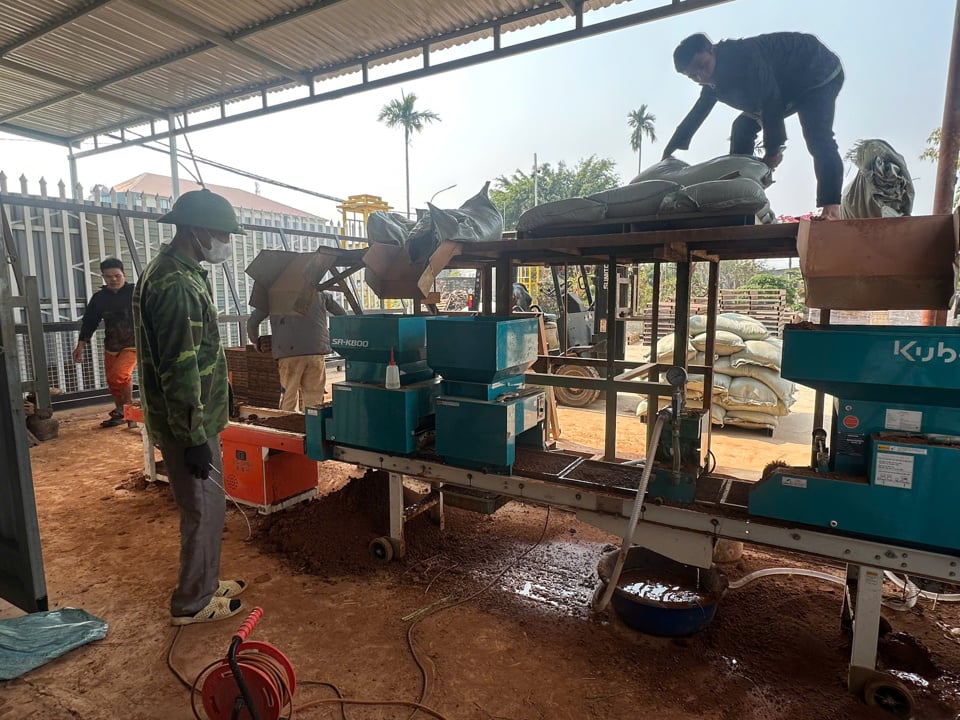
(891, 695)
(381, 549)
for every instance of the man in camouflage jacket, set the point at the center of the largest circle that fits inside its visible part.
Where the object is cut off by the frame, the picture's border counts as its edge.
(184, 393)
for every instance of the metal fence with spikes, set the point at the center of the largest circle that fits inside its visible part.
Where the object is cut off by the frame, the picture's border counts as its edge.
(61, 242)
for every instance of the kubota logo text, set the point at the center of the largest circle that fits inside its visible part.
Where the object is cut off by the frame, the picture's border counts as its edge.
(920, 353)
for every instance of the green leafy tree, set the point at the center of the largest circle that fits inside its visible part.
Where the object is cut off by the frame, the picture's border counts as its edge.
(403, 113)
(932, 154)
(513, 195)
(641, 121)
(791, 281)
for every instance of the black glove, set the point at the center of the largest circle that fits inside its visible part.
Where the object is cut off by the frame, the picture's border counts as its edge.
(197, 459)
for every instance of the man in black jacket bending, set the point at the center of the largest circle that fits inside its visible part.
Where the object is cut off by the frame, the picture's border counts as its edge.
(768, 77)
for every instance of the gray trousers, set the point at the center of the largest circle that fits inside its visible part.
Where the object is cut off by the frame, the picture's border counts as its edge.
(202, 512)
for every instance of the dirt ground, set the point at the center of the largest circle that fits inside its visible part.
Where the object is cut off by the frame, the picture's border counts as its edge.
(528, 647)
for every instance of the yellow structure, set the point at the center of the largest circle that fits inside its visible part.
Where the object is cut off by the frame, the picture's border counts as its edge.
(357, 208)
(360, 205)
(529, 275)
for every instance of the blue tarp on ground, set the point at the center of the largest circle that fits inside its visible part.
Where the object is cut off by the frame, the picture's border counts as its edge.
(33, 640)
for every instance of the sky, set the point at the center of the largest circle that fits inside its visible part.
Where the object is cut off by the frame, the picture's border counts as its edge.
(566, 103)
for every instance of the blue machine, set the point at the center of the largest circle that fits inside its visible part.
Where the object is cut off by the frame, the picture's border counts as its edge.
(484, 411)
(366, 414)
(891, 468)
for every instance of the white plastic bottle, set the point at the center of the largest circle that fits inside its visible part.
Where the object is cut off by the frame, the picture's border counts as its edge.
(393, 374)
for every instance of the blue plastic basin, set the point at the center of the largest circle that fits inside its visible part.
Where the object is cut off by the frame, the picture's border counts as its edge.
(677, 608)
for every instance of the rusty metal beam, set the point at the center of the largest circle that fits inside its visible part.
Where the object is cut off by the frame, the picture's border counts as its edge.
(949, 147)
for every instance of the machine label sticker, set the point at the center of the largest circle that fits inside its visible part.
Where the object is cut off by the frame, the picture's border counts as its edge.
(906, 420)
(851, 421)
(902, 449)
(796, 482)
(894, 470)
(349, 342)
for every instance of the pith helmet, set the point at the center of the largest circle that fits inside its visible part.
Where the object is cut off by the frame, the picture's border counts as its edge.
(203, 209)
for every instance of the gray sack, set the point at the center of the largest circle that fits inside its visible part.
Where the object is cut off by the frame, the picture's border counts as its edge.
(477, 220)
(882, 186)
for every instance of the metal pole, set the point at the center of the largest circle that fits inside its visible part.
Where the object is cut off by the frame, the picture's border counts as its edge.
(174, 156)
(74, 177)
(610, 426)
(949, 147)
(38, 350)
(818, 403)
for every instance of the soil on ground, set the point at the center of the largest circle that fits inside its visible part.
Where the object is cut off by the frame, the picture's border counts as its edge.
(494, 608)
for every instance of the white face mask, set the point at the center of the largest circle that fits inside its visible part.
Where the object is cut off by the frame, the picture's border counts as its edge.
(217, 253)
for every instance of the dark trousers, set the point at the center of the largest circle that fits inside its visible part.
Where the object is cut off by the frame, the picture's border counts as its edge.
(816, 111)
(202, 512)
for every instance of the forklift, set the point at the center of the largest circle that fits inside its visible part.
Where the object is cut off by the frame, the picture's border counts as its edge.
(581, 325)
(576, 327)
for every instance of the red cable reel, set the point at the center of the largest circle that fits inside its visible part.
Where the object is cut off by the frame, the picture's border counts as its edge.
(256, 681)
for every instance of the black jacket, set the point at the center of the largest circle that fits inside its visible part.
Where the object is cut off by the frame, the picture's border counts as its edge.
(764, 76)
(116, 311)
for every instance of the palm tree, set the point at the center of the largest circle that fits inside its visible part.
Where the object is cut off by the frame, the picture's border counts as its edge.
(642, 123)
(401, 112)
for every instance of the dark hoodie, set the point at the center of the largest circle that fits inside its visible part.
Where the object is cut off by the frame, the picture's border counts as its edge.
(764, 76)
(116, 311)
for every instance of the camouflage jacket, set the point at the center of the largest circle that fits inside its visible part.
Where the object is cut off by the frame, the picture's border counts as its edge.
(183, 370)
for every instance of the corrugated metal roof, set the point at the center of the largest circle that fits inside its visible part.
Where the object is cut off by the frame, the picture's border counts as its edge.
(73, 69)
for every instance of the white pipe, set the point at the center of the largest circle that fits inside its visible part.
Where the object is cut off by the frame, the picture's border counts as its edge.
(747, 579)
(907, 603)
(634, 515)
(925, 594)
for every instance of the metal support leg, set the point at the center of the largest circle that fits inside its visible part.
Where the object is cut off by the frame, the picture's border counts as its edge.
(396, 515)
(149, 456)
(866, 628)
(38, 350)
(436, 512)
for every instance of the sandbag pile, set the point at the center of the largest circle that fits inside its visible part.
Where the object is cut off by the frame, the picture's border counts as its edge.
(748, 390)
(728, 184)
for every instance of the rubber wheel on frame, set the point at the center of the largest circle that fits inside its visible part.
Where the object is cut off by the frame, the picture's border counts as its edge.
(889, 694)
(381, 549)
(576, 397)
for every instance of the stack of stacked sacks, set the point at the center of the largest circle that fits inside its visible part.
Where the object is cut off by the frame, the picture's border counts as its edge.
(729, 184)
(747, 388)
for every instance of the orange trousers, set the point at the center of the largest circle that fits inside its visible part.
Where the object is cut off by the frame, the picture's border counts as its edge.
(119, 367)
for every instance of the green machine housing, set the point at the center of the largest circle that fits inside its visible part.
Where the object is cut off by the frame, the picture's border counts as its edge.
(894, 443)
(484, 411)
(366, 414)
(680, 484)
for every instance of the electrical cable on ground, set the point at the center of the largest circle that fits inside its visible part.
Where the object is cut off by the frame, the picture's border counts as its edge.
(234, 501)
(425, 613)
